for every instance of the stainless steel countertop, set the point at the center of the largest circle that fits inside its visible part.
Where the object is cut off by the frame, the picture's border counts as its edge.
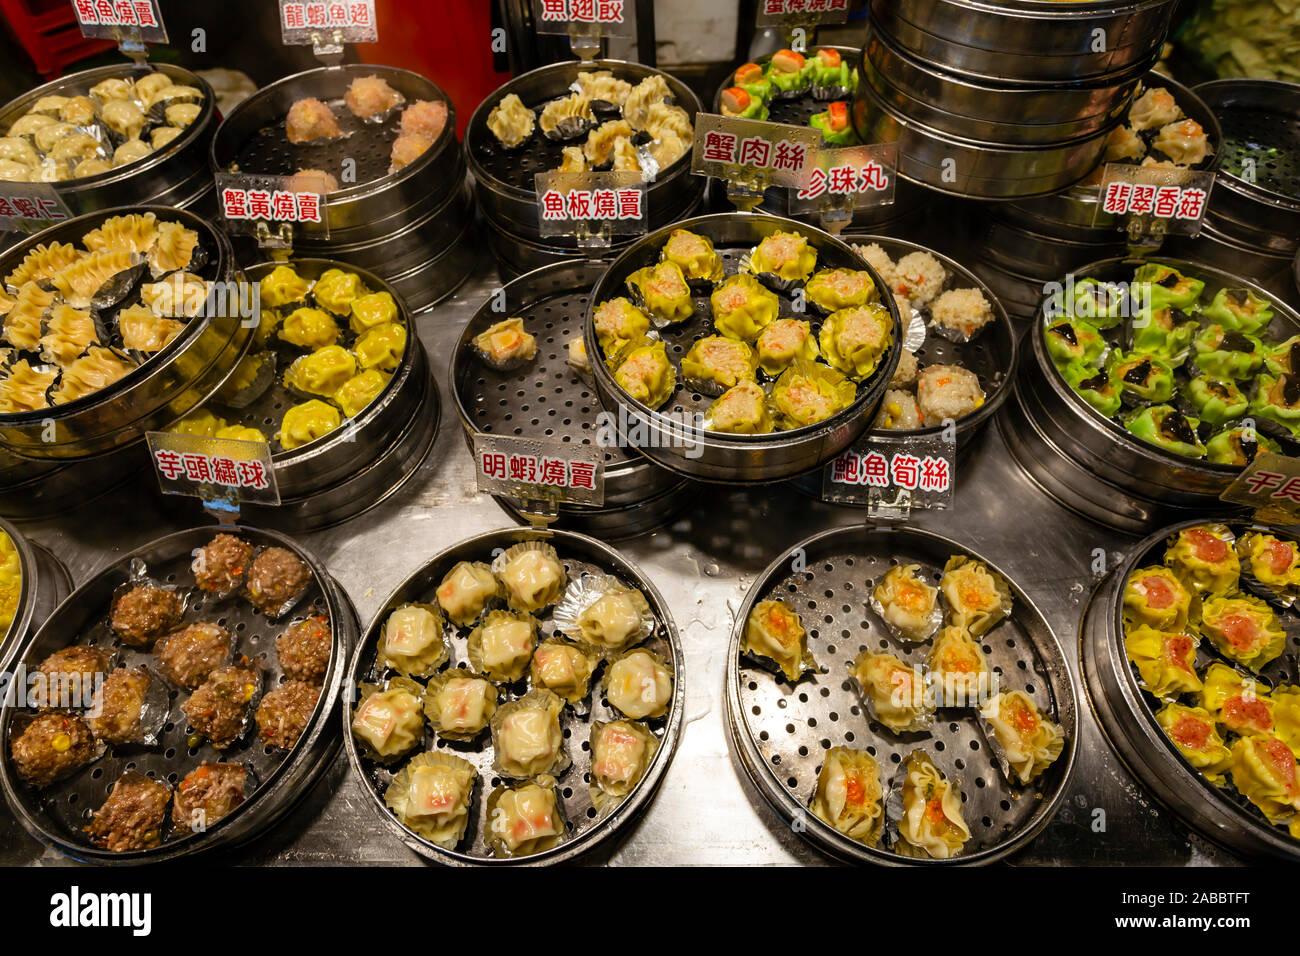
(705, 813)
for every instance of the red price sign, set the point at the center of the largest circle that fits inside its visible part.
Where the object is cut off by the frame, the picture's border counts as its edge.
(1175, 198)
(529, 469)
(743, 150)
(311, 21)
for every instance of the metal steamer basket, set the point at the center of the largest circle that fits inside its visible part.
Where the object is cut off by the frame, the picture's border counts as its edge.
(587, 830)
(166, 387)
(32, 490)
(1090, 463)
(176, 176)
(705, 455)
(45, 583)
(780, 733)
(548, 398)
(1127, 713)
(1027, 41)
(410, 227)
(361, 463)
(504, 179)
(57, 814)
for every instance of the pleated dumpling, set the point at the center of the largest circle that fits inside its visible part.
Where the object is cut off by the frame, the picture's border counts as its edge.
(142, 330)
(113, 88)
(908, 604)
(43, 262)
(932, 825)
(131, 151)
(1166, 660)
(459, 703)
(510, 121)
(849, 795)
(663, 291)
(412, 641)
(694, 255)
(566, 117)
(98, 368)
(600, 141)
(389, 721)
(78, 110)
(1029, 740)
(22, 324)
(502, 645)
(307, 422)
(123, 117)
(1239, 703)
(896, 691)
(1157, 598)
(1264, 772)
(978, 598)
(133, 232)
(179, 295)
(182, 114)
(1205, 558)
(282, 286)
(68, 333)
(29, 125)
(149, 86)
(24, 388)
(80, 281)
(336, 290)
(646, 94)
(174, 249)
(370, 310)
(465, 590)
(603, 86)
(532, 575)
(742, 307)
(431, 797)
(775, 631)
(322, 372)
(354, 395)
(661, 117)
(309, 328)
(959, 668)
(786, 255)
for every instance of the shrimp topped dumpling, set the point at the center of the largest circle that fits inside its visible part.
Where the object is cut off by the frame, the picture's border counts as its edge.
(849, 796)
(465, 590)
(431, 797)
(531, 574)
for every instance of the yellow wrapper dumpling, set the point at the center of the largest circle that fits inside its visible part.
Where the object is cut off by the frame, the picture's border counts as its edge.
(322, 372)
(785, 255)
(1029, 740)
(1239, 704)
(740, 410)
(715, 363)
(664, 292)
(356, 394)
(1264, 772)
(854, 340)
(309, 328)
(807, 393)
(389, 721)
(694, 255)
(1204, 557)
(1166, 661)
(336, 290)
(1156, 598)
(835, 289)
(783, 342)
(381, 347)
(459, 703)
(644, 372)
(896, 692)
(1192, 732)
(372, 309)
(849, 796)
(306, 423)
(1270, 560)
(743, 307)
(1243, 628)
(411, 641)
(617, 323)
(282, 286)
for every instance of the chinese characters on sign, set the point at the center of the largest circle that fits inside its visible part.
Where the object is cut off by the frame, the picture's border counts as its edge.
(772, 12)
(214, 469)
(529, 469)
(248, 200)
(752, 151)
(1176, 198)
(1270, 485)
(585, 203)
(114, 19)
(853, 176)
(925, 468)
(30, 207)
(608, 17)
(304, 21)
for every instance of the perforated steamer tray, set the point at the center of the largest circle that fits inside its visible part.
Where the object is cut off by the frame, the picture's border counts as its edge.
(56, 814)
(719, 456)
(548, 398)
(586, 829)
(780, 732)
(1126, 713)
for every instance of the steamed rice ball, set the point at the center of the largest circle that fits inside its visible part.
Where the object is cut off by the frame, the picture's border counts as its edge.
(310, 119)
(369, 96)
(947, 391)
(918, 276)
(897, 411)
(962, 310)
(905, 375)
(879, 260)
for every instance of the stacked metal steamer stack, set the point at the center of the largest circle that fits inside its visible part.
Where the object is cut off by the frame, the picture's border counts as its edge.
(1009, 100)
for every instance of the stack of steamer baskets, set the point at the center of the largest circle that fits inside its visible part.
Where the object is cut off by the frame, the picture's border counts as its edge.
(549, 398)
(92, 136)
(1019, 246)
(407, 225)
(504, 176)
(1252, 224)
(213, 667)
(338, 382)
(1002, 100)
(910, 202)
(78, 393)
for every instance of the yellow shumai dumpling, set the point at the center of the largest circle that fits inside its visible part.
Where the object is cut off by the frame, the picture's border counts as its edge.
(774, 630)
(807, 393)
(783, 342)
(411, 641)
(716, 363)
(200, 423)
(174, 248)
(322, 372)
(896, 691)
(11, 579)
(1286, 716)
(133, 232)
(381, 347)
(1029, 740)
(621, 752)
(907, 603)
(502, 645)
(431, 797)
(694, 255)
(1192, 732)
(1243, 628)
(22, 326)
(619, 322)
(932, 825)
(356, 394)
(309, 328)
(282, 287)
(639, 684)
(1273, 561)
(465, 590)
(562, 668)
(1239, 703)
(643, 371)
(835, 289)
(68, 333)
(336, 290)
(306, 423)
(663, 291)
(977, 597)
(240, 433)
(743, 307)
(526, 736)
(1204, 558)
(389, 721)
(371, 310)
(1166, 661)
(849, 796)
(524, 820)
(1155, 596)
(959, 668)
(785, 255)
(80, 281)
(532, 575)
(854, 340)
(1264, 772)
(459, 703)
(506, 345)
(741, 410)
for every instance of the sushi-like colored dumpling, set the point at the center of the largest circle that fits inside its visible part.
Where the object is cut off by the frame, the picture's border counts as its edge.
(322, 372)
(694, 255)
(562, 668)
(715, 363)
(510, 121)
(849, 796)
(531, 574)
(978, 598)
(786, 255)
(524, 820)
(639, 684)
(42, 262)
(1155, 597)
(465, 590)
(506, 345)
(459, 703)
(1239, 703)
(621, 752)
(144, 331)
(310, 119)
(309, 328)
(932, 825)
(663, 290)
(370, 310)
(896, 692)
(68, 333)
(1205, 558)
(502, 645)
(133, 232)
(1243, 628)
(740, 410)
(834, 289)
(1029, 740)
(959, 668)
(371, 96)
(1166, 660)
(389, 721)
(412, 642)
(430, 796)
(782, 342)
(23, 388)
(336, 290)
(807, 393)
(381, 347)
(526, 736)
(1264, 772)
(642, 369)
(743, 307)
(307, 422)
(617, 323)
(281, 287)
(775, 631)
(907, 603)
